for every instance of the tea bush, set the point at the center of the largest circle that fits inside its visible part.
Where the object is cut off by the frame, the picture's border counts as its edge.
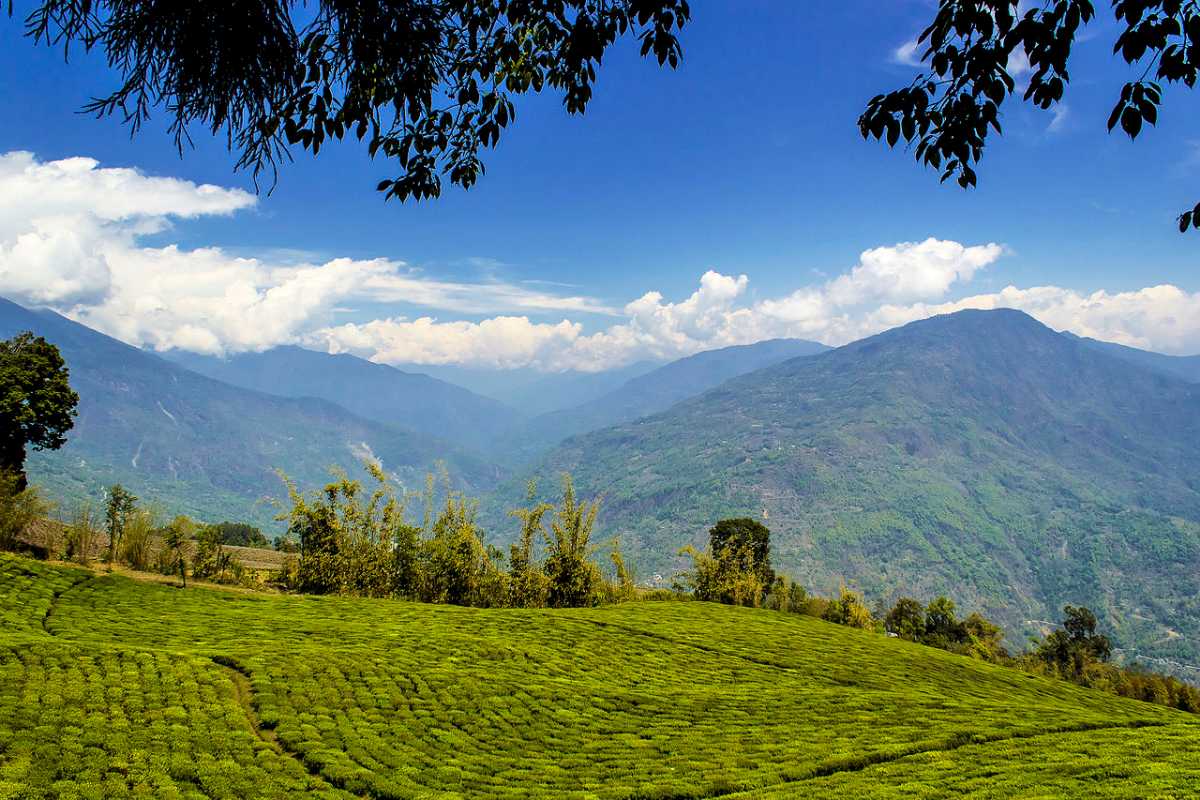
(115, 688)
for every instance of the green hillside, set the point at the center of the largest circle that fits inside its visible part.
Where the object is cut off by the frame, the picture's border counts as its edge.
(112, 688)
(202, 447)
(376, 392)
(978, 455)
(647, 394)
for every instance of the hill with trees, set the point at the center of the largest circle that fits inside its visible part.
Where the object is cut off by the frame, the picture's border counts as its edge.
(979, 454)
(376, 392)
(202, 447)
(654, 391)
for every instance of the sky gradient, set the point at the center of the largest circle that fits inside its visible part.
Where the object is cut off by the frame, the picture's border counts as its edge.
(724, 202)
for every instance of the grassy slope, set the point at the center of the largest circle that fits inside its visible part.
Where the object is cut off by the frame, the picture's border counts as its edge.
(113, 688)
(979, 455)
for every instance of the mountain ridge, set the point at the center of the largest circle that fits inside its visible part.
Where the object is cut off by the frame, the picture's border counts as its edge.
(978, 454)
(203, 447)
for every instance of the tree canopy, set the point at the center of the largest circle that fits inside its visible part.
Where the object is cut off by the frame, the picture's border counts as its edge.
(950, 109)
(37, 404)
(427, 83)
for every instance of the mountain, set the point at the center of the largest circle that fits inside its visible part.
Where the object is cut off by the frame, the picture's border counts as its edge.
(198, 446)
(534, 391)
(1185, 367)
(650, 393)
(979, 454)
(374, 391)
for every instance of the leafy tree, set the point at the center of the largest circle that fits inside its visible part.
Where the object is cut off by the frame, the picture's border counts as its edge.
(942, 628)
(346, 543)
(946, 114)
(211, 559)
(37, 404)
(984, 638)
(575, 580)
(121, 505)
(240, 534)
(748, 537)
(285, 544)
(906, 620)
(427, 83)
(19, 508)
(849, 610)
(136, 538)
(1075, 646)
(82, 531)
(175, 546)
(528, 584)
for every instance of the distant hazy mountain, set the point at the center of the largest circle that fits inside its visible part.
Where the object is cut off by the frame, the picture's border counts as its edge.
(377, 392)
(652, 392)
(534, 391)
(978, 454)
(1185, 367)
(203, 447)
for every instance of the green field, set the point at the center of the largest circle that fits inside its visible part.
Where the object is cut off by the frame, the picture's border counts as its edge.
(115, 688)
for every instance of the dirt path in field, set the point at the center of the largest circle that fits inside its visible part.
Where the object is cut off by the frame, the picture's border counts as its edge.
(874, 759)
(244, 694)
(56, 596)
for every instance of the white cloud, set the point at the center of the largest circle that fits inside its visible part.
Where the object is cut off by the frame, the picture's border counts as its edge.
(908, 54)
(1060, 114)
(712, 316)
(70, 237)
(1163, 318)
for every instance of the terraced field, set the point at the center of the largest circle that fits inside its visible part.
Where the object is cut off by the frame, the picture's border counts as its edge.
(114, 688)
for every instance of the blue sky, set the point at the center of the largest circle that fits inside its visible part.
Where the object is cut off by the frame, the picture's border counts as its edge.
(745, 161)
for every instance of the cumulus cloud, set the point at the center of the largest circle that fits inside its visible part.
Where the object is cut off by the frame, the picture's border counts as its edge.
(712, 316)
(70, 234)
(71, 237)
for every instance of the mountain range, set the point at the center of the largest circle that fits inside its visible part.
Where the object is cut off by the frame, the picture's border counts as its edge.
(981, 455)
(202, 447)
(647, 394)
(373, 391)
(978, 454)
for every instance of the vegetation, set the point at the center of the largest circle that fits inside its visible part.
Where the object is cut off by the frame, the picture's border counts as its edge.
(947, 113)
(426, 84)
(120, 506)
(977, 455)
(37, 404)
(363, 545)
(20, 506)
(114, 688)
(213, 453)
(239, 534)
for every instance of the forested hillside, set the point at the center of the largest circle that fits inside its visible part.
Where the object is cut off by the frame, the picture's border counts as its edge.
(648, 394)
(978, 454)
(376, 392)
(198, 446)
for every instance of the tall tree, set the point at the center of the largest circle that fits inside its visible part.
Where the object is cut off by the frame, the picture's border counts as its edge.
(37, 404)
(121, 506)
(948, 111)
(743, 535)
(575, 579)
(427, 83)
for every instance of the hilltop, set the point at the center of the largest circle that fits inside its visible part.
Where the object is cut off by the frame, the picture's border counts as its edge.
(116, 688)
(978, 454)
